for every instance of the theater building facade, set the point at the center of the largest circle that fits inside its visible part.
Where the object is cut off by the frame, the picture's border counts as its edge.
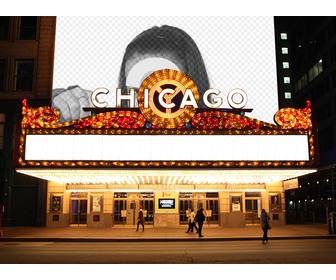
(102, 168)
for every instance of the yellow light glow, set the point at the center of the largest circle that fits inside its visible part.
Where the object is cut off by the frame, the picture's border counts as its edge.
(167, 177)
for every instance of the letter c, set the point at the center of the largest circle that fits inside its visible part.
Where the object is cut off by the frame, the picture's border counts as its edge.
(94, 96)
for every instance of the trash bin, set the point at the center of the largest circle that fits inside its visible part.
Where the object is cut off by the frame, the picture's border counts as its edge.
(332, 223)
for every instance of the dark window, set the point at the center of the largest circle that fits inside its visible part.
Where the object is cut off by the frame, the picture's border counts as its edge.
(24, 72)
(252, 194)
(2, 74)
(211, 194)
(28, 26)
(4, 28)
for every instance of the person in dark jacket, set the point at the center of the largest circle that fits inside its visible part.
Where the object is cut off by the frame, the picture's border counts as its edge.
(140, 220)
(265, 225)
(200, 218)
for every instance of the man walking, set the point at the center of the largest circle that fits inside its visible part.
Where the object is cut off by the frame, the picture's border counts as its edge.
(265, 225)
(200, 217)
(140, 220)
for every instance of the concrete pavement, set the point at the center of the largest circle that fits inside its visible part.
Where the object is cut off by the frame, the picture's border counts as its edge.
(126, 233)
(276, 251)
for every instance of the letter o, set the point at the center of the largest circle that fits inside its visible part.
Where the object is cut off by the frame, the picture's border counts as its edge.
(232, 98)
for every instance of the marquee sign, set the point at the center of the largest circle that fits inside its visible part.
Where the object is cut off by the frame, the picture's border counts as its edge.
(167, 130)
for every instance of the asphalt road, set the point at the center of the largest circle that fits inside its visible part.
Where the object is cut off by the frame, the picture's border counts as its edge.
(277, 251)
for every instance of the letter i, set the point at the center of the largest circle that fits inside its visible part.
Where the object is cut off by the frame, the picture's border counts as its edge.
(146, 98)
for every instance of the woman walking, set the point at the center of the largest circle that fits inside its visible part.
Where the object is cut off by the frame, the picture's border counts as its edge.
(265, 225)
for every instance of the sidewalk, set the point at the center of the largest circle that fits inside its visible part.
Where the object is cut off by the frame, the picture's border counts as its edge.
(85, 234)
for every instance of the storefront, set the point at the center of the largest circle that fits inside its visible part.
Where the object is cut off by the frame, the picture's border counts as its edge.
(165, 205)
(101, 169)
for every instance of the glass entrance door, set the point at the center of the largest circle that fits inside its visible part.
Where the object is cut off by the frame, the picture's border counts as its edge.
(185, 204)
(148, 206)
(119, 211)
(252, 210)
(212, 205)
(78, 211)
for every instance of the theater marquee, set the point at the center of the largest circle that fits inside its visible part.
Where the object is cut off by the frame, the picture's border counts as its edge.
(158, 135)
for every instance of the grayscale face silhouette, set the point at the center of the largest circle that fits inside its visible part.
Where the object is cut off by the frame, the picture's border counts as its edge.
(164, 47)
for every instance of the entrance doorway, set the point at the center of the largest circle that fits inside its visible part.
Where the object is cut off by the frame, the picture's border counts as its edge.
(146, 201)
(252, 210)
(212, 206)
(78, 211)
(209, 202)
(120, 208)
(126, 207)
(186, 202)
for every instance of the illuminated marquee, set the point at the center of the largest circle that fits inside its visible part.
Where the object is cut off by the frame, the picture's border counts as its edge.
(158, 135)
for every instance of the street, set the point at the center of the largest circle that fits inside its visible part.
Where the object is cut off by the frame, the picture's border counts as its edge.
(277, 251)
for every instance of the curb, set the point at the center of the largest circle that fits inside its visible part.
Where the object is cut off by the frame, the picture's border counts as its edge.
(206, 239)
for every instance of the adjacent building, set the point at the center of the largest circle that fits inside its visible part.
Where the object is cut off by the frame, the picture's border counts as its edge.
(308, 45)
(26, 67)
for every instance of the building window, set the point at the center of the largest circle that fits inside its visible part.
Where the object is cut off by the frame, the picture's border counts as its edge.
(288, 95)
(2, 130)
(314, 71)
(24, 72)
(283, 36)
(27, 29)
(2, 74)
(4, 28)
(301, 83)
(284, 50)
(285, 65)
(286, 80)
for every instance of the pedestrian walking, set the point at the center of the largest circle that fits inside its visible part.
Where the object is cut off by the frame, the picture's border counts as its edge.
(140, 220)
(191, 222)
(200, 218)
(265, 225)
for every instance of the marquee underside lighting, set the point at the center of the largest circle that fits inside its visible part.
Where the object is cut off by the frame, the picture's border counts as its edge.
(134, 178)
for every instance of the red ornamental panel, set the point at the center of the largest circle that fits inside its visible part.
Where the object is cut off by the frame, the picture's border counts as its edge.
(225, 120)
(48, 117)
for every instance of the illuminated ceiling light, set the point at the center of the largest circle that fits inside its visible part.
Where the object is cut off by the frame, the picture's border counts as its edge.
(108, 176)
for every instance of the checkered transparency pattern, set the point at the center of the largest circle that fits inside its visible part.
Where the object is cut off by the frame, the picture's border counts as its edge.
(238, 52)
